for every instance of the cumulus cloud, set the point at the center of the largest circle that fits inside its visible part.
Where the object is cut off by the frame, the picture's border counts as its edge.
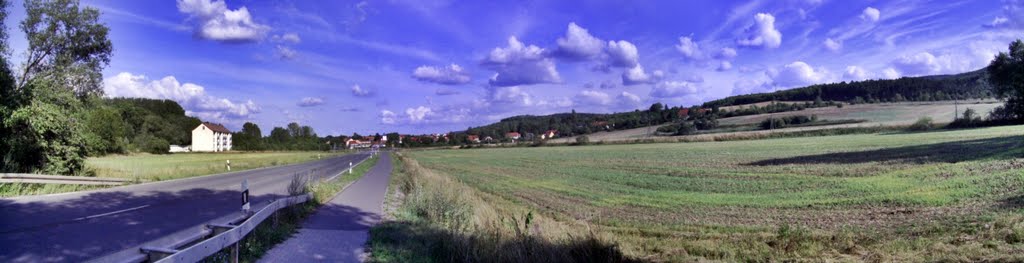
(870, 14)
(751, 85)
(450, 75)
(724, 66)
(287, 53)
(292, 38)
(310, 102)
(623, 54)
(592, 97)
(855, 73)
(890, 73)
(726, 53)
(214, 21)
(1013, 15)
(637, 75)
(191, 96)
(922, 63)
(763, 33)
(599, 98)
(832, 44)
(688, 48)
(361, 92)
(628, 99)
(387, 117)
(796, 74)
(579, 44)
(673, 89)
(519, 64)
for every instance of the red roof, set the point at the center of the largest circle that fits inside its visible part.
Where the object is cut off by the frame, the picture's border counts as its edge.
(216, 127)
(512, 134)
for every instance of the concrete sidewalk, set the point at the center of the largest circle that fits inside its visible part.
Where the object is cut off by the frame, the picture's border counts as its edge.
(337, 232)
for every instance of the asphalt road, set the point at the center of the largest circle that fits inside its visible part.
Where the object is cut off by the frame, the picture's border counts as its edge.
(338, 231)
(75, 227)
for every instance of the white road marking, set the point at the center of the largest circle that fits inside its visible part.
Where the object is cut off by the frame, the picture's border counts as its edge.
(110, 213)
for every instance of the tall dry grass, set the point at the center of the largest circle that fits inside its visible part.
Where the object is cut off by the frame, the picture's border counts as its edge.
(442, 220)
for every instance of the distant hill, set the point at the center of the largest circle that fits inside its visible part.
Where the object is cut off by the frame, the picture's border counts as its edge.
(969, 85)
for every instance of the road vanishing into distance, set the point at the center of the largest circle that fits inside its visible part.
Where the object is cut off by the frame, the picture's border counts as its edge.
(79, 226)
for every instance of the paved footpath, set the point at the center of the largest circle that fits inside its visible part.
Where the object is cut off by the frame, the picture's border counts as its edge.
(338, 231)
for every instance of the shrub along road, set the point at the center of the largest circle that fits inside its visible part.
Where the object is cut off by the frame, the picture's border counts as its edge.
(339, 229)
(79, 226)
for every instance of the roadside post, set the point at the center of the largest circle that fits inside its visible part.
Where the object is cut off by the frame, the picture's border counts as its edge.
(229, 165)
(245, 211)
(349, 167)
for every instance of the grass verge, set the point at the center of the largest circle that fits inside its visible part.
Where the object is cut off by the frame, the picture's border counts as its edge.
(19, 189)
(286, 221)
(438, 219)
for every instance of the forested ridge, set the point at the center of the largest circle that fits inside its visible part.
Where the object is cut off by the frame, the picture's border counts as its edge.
(969, 85)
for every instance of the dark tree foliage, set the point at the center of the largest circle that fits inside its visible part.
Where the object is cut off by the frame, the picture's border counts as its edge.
(1006, 73)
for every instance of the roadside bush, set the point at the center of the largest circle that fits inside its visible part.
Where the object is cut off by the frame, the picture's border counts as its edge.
(969, 119)
(298, 185)
(582, 140)
(922, 124)
(686, 128)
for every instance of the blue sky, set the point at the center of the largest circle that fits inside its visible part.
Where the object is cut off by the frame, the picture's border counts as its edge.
(435, 66)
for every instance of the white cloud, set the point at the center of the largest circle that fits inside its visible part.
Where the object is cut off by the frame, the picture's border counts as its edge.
(763, 33)
(922, 63)
(287, 38)
(450, 75)
(519, 64)
(509, 95)
(310, 102)
(726, 53)
(637, 75)
(579, 44)
(890, 73)
(592, 97)
(284, 52)
(361, 92)
(797, 74)
(215, 21)
(688, 48)
(1013, 15)
(628, 99)
(832, 45)
(417, 114)
(623, 54)
(673, 89)
(751, 85)
(724, 66)
(870, 14)
(855, 73)
(190, 96)
(387, 117)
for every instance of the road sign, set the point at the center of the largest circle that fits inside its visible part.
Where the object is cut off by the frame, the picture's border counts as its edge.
(245, 195)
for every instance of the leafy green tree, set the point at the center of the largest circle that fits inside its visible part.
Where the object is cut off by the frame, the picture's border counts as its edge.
(106, 131)
(1006, 73)
(44, 121)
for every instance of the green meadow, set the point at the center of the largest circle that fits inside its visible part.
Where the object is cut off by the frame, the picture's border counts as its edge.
(896, 196)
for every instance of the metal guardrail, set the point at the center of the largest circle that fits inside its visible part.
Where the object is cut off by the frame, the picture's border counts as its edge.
(224, 236)
(60, 179)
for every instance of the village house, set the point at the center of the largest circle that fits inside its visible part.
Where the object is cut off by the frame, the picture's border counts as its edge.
(356, 144)
(211, 137)
(548, 134)
(473, 138)
(512, 136)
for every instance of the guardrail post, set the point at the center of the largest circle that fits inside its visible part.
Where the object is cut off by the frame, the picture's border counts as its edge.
(234, 252)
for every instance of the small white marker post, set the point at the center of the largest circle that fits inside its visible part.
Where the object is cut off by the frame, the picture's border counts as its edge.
(349, 167)
(229, 165)
(245, 196)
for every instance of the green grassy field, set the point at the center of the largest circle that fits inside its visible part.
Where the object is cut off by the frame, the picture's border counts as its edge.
(944, 195)
(173, 166)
